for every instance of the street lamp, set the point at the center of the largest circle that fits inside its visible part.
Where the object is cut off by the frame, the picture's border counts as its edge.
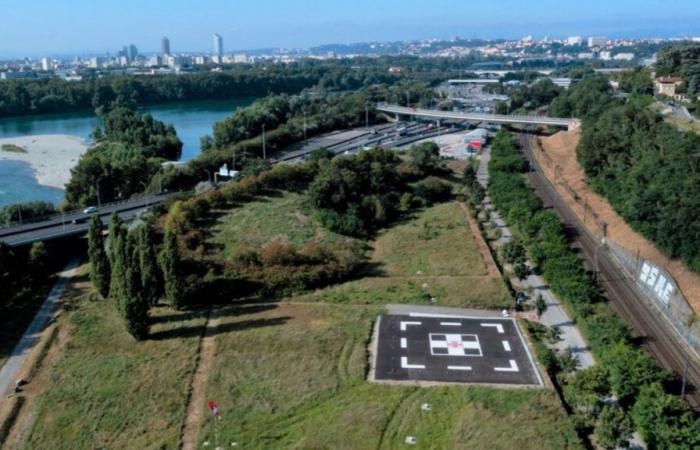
(145, 188)
(209, 174)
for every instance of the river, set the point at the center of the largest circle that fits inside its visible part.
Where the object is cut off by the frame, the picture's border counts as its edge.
(191, 120)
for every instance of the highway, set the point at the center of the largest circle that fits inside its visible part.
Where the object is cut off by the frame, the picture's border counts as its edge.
(500, 119)
(663, 343)
(75, 223)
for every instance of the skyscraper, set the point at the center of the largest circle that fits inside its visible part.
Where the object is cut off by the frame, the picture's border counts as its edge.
(133, 52)
(165, 46)
(218, 45)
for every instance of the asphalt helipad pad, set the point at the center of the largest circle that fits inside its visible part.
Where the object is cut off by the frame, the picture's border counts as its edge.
(455, 349)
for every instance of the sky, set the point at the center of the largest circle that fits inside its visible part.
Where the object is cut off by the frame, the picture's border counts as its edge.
(66, 27)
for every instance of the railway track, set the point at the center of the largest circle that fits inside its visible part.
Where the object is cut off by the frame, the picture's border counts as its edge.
(663, 343)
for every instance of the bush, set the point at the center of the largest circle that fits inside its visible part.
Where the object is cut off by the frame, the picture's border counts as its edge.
(432, 190)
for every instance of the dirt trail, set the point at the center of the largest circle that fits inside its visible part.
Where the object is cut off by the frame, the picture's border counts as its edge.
(486, 255)
(557, 157)
(197, 400)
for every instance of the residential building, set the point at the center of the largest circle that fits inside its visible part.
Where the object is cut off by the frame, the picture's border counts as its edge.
(605, 56)
(574, 40)
(624, 57)
(667, 86)
(597, 41)
(240, 59)
(45, 64)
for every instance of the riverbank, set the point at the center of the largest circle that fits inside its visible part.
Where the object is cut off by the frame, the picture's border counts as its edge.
(50, 156)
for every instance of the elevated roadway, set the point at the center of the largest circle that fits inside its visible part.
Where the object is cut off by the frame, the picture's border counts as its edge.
(500, 119)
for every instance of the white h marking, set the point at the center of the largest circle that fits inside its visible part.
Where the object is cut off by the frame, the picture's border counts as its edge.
(506, 346)
(459, 368)
(513, 367)
(497, 326)
(406, 365)
(403, 343)
(450, 324)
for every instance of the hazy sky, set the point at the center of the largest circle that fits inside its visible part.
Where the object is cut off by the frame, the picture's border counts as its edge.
(44, 27)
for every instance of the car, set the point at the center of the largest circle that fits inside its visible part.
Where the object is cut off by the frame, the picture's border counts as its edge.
(90, 210)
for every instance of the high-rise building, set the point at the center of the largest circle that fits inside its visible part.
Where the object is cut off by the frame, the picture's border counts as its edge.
(164, 46)
(218, 45)
(132, 53)
(45, 64)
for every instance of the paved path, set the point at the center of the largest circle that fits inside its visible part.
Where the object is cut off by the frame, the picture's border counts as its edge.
(9, 372)
(555, 315)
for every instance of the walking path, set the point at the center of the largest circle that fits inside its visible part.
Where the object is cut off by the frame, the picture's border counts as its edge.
(555, 315)
(14, 363)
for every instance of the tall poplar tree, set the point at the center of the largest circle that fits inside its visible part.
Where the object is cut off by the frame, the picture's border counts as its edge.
(170, 265)
(100, 271)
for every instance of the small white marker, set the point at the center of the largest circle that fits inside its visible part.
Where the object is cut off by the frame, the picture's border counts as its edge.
(459, 368)
(506, 346)
(406, 365)
(513, 367)
(497, 326)
(404, 344)
(405, 324)
(450, 324)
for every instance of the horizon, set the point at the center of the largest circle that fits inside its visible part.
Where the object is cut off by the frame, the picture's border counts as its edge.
(39, 29)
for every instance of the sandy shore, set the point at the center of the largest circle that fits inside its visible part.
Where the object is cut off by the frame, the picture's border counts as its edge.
(51, 156)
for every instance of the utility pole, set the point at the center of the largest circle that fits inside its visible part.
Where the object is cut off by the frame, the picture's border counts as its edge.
(19, 212)
(304, 125)
(685, 375)
(367, 117)
(99, 202)
(263, 143)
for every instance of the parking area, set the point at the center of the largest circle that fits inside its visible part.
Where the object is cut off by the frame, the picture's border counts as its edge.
(454, 349)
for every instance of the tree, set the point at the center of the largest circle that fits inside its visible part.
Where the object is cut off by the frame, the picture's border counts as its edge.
(613, 428)
(425, 157)
(540, 305)
(116, 230)
(126, 285)
(38, 259)
(664, 420)
(134, 305)
(148, 262)
(172, 273)
(100, 272)
(521, 270)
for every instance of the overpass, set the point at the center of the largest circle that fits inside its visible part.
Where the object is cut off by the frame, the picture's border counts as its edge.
(500, 119)
(76, 223)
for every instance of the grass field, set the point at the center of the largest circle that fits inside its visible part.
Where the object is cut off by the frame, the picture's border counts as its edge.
(293, 376)
(108, 391)
(434, 247)
(285, 217)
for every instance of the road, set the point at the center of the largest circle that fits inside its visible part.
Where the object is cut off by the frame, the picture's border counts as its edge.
(75, 223)
(662, 342)
(498, 119)
(10, 371)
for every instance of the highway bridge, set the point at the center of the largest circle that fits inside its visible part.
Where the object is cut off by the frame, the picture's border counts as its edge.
(75, 223)
(500, 119)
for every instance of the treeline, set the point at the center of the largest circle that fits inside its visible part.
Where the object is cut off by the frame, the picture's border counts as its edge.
(21, 97)
(123, 159)
(624, 372)
(135, 270)
(648, 170)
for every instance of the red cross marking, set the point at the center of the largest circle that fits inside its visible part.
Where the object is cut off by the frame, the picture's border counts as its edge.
(455, 344)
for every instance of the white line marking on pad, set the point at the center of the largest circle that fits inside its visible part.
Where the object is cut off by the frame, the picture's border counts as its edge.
(403, 343)
(497, 326)
(506, 346)
(513, 367)
(451, 324)
(459, 368)
(406, 365)
(404, 324)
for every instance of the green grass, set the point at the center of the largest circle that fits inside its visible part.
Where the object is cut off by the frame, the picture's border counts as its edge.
(293, 377)
(433, 248)
(108, 391)
(285, 217)
(12, 148)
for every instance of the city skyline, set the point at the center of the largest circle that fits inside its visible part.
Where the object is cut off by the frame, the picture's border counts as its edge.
(39, 28)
